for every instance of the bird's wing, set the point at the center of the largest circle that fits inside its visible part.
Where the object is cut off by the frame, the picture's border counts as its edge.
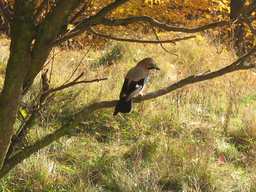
(124, 88)
(131, 88)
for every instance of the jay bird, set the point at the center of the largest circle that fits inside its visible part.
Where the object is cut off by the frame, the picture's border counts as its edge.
(133, 84)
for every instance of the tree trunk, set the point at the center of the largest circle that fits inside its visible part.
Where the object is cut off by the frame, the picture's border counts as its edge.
(18, 63)
(26, 59)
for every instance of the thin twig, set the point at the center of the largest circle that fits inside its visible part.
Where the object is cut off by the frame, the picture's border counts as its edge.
(51, 70)
(51, 59)
(74, 83)
(161, 44)
(79, 63)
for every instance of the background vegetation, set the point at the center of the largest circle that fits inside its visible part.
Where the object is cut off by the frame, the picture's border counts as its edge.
(199, 138)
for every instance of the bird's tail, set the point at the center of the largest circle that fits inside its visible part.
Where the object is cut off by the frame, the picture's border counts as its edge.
(123, 106)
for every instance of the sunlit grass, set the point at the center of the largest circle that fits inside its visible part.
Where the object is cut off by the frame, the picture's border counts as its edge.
(171, 143)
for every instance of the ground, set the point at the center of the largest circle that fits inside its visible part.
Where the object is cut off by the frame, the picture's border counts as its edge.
(198, 138)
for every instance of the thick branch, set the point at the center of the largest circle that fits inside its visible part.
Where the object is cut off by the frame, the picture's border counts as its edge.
(80, 116)
(139, 40)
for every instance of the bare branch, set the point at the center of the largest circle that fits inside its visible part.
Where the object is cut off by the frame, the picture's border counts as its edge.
(74, 83)
(161, 25)
(235, 66)
(139, 40)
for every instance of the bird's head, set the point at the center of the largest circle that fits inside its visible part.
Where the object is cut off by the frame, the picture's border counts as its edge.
(148, 64)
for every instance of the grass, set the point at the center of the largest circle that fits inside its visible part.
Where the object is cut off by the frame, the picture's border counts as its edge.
(172, 143)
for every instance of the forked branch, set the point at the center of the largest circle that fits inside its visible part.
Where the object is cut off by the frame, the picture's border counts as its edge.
(139, 40)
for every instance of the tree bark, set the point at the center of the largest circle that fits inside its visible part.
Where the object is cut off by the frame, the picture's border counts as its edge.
(19, 61)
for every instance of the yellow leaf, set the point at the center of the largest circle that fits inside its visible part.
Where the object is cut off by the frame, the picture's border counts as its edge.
(24, 113)
(70, 27)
